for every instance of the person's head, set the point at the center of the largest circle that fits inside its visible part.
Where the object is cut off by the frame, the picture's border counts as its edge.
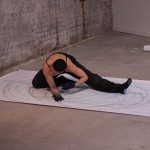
(59, 65)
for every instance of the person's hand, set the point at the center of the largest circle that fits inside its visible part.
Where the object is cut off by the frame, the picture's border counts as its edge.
(68, 85)
(57, 97)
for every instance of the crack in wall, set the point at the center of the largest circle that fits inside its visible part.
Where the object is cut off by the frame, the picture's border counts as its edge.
(83, 18)
(57, 26)
(76, 21)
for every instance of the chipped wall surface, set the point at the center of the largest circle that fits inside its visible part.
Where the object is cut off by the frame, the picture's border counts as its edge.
(34, 27)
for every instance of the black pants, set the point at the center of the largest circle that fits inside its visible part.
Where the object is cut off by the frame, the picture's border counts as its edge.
(100, 84)
(94, 81)
(39, 80)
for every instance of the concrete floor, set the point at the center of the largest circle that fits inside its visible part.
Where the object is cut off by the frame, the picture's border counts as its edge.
(31, 127)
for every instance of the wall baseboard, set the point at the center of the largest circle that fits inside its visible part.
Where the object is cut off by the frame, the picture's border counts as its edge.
(132, 31)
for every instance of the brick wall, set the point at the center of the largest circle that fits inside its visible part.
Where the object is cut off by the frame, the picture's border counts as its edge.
(34, 27)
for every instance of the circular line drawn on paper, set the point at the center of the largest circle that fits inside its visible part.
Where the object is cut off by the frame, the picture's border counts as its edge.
(22, 91)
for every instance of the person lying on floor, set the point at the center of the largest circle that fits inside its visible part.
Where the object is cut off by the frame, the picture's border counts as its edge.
(59, 63)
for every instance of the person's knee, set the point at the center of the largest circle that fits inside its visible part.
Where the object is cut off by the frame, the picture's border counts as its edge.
(35, 83)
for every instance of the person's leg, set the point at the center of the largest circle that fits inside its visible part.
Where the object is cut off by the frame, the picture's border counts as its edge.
(104, 85)
(125, 85)
(39, 80)
(61, 80)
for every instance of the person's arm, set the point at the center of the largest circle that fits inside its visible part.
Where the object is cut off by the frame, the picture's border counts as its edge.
(49, 79)
(56, 95)
(80, 73)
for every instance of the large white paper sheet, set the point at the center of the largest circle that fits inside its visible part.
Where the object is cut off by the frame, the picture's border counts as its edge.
(17, 87)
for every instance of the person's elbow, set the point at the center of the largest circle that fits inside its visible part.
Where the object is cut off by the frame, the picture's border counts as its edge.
(86, 78)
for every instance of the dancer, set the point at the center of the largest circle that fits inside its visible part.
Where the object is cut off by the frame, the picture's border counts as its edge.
(58, 63)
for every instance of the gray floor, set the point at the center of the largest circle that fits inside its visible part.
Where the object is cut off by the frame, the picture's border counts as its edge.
(31, 127)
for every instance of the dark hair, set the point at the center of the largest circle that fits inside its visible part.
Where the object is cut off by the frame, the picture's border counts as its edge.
(59, 65)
